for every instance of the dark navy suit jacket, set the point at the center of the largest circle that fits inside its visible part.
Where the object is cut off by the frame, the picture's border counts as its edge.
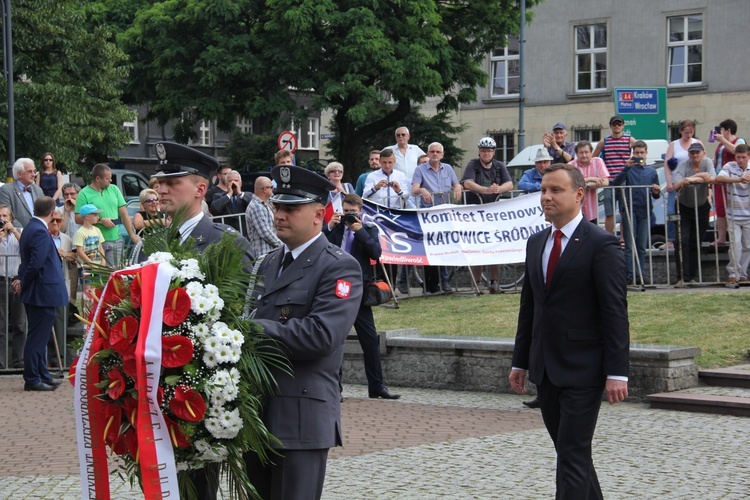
(40, 272)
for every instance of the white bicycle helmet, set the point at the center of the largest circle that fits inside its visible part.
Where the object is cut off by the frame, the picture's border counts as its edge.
(487, 142)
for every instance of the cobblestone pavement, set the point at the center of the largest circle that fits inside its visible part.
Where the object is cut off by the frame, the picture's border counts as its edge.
(430, 444)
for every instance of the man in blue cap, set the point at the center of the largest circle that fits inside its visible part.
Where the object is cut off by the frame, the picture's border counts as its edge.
(307, 300)
(558, 148)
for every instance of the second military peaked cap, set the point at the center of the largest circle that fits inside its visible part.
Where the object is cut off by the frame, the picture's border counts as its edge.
(177, 160)
(295, 185)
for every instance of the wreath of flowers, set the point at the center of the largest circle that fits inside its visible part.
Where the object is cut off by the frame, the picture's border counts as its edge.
(215, 366)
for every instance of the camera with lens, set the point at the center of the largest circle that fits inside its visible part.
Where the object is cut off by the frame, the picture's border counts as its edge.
(2, 223)
(717, 129)
(637, 160)
(390, 184)
(350, 218)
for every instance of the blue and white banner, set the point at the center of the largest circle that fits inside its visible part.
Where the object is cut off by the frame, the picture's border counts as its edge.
(458, 235)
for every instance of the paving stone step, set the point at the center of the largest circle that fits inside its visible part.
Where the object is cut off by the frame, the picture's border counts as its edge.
(724, 401)
(737, 376)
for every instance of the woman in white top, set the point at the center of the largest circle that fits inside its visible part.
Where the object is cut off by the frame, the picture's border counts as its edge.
(679, 151)
(335, 173)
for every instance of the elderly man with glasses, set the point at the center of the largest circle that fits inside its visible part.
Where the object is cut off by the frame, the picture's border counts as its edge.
(21, 194)
(406, 154)
(259, 219)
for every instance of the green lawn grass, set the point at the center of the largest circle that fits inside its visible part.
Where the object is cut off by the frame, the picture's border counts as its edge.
(715, 322)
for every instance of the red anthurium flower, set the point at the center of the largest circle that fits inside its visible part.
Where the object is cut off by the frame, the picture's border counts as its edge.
(179, 439)
(112, 419)
(128, 361)
(187, 404)
(119, 289)
(176, 351)
(122, 333)
(159, 396)
(130, 408)
(176, 307)
(135, 291)
(120, 446)
(72, 371)
(116, 384)
(131, 441)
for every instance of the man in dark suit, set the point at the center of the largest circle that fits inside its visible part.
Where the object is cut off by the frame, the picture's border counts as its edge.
(573, 333)
(307, 299)
(232, 203)
(42, 288)
(21, 194)
(361, 242)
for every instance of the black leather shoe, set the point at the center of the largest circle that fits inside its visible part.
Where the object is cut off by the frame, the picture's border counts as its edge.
(383, 393)
(532, 404)
(39, 386)
(53, 383)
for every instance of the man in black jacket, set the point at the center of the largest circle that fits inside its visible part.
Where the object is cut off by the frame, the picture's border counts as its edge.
(361, 242)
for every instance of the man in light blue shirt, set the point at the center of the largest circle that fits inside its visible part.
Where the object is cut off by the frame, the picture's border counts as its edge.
(434, 182)
(531, 181)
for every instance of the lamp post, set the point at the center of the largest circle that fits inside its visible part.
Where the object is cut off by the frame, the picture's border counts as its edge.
(521, 83)
(8, 74)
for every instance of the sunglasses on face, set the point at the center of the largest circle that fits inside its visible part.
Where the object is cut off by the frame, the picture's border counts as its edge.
(151, 200)
(56, 221)
(400, 135)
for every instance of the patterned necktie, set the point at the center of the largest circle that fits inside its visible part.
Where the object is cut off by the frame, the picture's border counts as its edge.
(288, 259)
(554, 257)
(27, 189)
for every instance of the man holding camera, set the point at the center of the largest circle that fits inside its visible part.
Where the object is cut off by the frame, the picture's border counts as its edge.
(635, 208)
(234, 201)
(386, 186)
(361, 242)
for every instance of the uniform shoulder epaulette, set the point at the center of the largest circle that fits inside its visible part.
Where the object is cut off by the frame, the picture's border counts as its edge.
(334, 250)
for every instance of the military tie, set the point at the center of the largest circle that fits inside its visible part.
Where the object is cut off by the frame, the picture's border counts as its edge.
(555, 255)
(288, 259)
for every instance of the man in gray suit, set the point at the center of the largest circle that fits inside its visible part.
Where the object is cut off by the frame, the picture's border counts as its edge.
(307, 299)
(21, 194)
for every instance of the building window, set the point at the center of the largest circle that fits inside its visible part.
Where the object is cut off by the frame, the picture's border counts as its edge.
(506, 145)
(685, 50)
(131, 128)
(506, 74)
(204, 133)
(593, 135)
(591, 57)
(308, 136)
(245, 125)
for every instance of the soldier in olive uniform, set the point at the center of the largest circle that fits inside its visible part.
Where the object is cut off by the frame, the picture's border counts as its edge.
(307, 297)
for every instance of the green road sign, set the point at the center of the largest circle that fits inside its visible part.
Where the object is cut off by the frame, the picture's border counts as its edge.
(644, 110)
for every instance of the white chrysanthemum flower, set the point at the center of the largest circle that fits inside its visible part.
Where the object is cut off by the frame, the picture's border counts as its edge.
(194, 288)
(231, 392)
(201, 331)
(209, 359)
(160, 257)
(189, 270)
(234, 373)
(202, 446)
(223, 353)
(213, 315)
(234, 353)
(217, 303)
(218, 400)
(211, 290)
(213, 425)
(220, 378)
(212, 344)
(200, 305)
(236, 338)
(181, 466)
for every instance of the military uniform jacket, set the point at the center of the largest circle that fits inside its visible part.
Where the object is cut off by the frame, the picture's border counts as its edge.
(310, 309)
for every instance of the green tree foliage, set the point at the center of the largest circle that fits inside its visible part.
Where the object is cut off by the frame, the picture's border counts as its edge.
(423, 130)
(67, 85)
(251, 151)
(367, 62)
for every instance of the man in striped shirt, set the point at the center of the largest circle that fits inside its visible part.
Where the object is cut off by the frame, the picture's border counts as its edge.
(737, 174)
(615, 150)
